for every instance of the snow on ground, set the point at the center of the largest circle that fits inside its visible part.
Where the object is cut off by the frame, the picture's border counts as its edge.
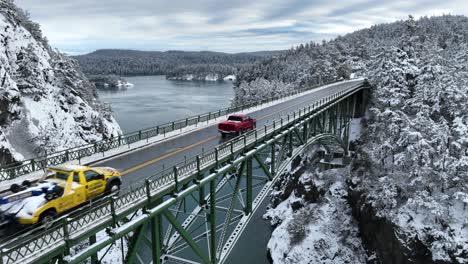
(211, 77)
(230, 78)
(110, 254)
(124, 84)
(129, 148)
(47, 103)
(113, 253)
(322, 232)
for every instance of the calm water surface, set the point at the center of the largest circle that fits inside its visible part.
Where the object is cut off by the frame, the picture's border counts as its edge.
(153, 100)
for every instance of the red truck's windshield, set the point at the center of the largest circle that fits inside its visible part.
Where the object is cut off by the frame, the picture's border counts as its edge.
(235, 118)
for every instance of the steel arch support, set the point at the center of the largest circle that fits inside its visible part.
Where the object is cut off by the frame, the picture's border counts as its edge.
(263, 167)
(186, 236)
(135, 243)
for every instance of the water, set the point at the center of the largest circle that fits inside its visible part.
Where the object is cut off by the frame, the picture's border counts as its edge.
(153, 100)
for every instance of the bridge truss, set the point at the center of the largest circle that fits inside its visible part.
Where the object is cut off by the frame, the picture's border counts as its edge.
(196, 212)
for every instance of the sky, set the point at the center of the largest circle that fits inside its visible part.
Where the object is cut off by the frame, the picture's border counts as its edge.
(82, 26)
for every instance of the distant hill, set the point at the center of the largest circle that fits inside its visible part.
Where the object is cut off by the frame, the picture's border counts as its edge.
(134, 62)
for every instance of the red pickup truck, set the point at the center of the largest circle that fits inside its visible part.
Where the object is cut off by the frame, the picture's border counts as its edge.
(236, 124)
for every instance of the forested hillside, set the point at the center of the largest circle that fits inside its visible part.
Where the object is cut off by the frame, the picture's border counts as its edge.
(46, 103)
(133, 62)
(204, 72)
(412, 168)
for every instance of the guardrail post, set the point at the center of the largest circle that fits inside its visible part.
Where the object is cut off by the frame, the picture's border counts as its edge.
(201, 192)
(66, 235)
(114, 215)
(176, 180)
(266, 129)
(245, 142)
(139, 134)
(79, 157)
(95, 147)
(148, 190)
(120, 140)
(33, 165)
(172, 126)
(186, 123)
(217, 157)
(231, 147)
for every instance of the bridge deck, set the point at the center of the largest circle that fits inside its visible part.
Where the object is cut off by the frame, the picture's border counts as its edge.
(138, 165)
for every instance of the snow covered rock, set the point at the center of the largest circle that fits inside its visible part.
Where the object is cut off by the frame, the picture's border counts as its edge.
(320, 231)
(46, 103)
(413, 157)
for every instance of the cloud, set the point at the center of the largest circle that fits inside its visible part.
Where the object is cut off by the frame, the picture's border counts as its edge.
(230, 26)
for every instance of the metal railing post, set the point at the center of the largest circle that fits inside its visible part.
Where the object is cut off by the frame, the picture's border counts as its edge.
(113, 213)
(66, 235)
(231, 146)
(148, 190)
(217, 157)
(176, 180)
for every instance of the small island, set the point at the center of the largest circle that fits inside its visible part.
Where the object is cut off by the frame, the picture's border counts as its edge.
(109, 82)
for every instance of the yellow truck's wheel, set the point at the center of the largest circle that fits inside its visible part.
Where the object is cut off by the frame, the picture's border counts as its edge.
(47, 217)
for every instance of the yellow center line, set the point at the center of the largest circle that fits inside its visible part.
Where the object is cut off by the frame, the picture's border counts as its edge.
(165, 156)
(168, 155)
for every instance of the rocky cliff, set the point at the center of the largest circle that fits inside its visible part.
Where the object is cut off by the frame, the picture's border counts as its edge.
(46, 103)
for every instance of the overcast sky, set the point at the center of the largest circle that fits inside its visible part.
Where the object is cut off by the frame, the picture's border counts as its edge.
(80, 26)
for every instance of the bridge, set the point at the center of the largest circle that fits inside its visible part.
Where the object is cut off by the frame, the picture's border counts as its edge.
(195, 208)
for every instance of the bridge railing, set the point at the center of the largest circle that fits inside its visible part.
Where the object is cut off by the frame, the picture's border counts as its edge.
(69, 231)
(14, 170)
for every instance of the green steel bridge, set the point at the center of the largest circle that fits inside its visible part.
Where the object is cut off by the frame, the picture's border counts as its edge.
(194, 212)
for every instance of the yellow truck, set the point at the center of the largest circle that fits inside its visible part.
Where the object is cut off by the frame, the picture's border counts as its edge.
(61, 189)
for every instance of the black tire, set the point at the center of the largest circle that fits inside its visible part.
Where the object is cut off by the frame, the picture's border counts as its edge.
(113, 187)
(49, 196)
(15, 188)
(47, 217)
(223, 135)
(26, 183)
(54, 194)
